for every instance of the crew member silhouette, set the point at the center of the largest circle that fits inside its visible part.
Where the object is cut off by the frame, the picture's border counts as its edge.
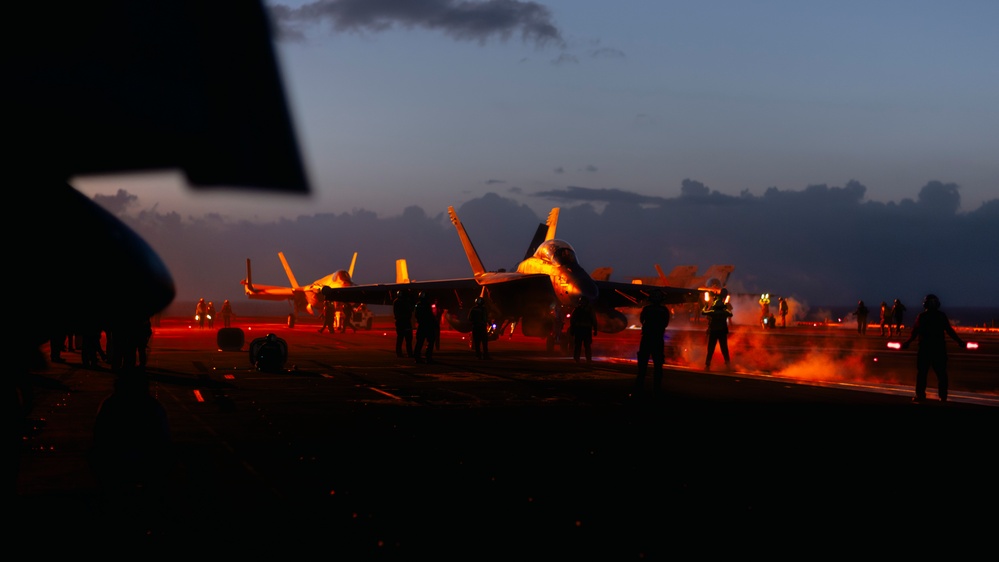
(426, 329)
(210, 312)
(885, 318)
(782, 310)
(655, 319)
(478, 316)
(402, 310)
(226, 314)
(861, 312)
(583, 326)
(329, 316)
(897, 318)
(930, 329)
(718, 314)
(201, 312)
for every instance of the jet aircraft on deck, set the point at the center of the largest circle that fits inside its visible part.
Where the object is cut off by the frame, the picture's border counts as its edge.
(538, 295)
(305, 299)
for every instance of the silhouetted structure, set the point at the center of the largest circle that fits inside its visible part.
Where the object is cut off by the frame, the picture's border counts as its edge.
(269, 353)
(173, 92)
(132, 455)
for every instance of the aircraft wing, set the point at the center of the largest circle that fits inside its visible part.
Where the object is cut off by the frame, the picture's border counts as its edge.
(510, 292)
(617, 295)
(268, 292)
(450, 293)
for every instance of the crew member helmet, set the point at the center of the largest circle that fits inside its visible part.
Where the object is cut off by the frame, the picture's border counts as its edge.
(931, 302)
(479, 300)
(723, 293)
(423, 295)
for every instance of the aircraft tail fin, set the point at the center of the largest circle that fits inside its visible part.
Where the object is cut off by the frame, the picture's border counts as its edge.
(466, 242)
(539, 237)
(287, 270)
(659, 270)
(717, 276)
(602, 273)
(401, 271)
(353, 260)
(545, 232)
(552, 224)
(248, 282)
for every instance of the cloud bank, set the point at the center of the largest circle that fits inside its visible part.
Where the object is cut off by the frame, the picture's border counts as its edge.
(822, 246)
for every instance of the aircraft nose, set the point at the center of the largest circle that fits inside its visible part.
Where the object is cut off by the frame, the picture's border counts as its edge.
(107, 272)
(583, 286)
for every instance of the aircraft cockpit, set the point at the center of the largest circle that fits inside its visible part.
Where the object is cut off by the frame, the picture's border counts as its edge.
(556, 251)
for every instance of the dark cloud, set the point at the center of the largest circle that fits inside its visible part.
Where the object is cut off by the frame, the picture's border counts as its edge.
(461, 20)
(823, 245)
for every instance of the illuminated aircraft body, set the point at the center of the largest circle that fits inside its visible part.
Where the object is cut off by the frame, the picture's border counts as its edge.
(545, 286)
(307, 299)
(714, 279)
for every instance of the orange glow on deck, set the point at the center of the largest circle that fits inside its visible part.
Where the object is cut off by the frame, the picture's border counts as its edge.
(198, 396)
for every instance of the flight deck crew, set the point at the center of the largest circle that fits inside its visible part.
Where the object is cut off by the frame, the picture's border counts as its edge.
(426, 329)
(897, 316)
(402, 310)
(861, 313)
(226, 314)
(885, 318)
(718, 315)
(201, 312)
(329, 313)
(478, 316)
(655, 319)
(583, 326)
(930, 328)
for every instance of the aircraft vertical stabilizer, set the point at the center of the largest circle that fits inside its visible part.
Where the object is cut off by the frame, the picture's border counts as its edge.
(353, 260)
(248, 283)
(545, 232)
(287, 270)
(602, 273)
(401, 271)
(552, 223)
(466, 242)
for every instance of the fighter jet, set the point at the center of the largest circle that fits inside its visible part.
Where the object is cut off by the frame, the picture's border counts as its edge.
(714, 279)
(537, 295)
(307, 299)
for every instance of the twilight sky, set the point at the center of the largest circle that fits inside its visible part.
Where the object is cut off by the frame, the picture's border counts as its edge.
(780, 114)
(435, 102)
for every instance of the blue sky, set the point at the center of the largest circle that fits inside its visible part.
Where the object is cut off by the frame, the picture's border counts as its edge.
(435, 103)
